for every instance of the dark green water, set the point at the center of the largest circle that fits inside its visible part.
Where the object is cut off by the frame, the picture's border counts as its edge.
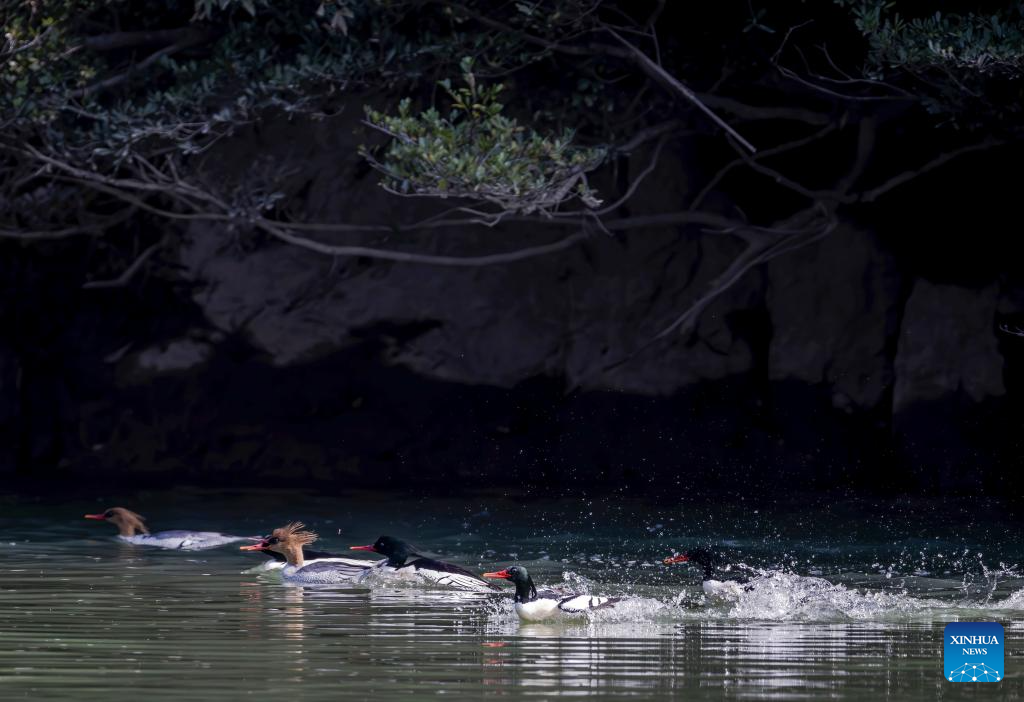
(85, 617)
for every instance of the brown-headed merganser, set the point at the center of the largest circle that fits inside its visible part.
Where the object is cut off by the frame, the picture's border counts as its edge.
(132, 528)
(534, 606)
(290, 540)
(403, 561)
(279, 560)
(717, 579)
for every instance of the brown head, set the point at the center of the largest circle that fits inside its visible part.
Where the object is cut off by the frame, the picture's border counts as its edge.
(127, 522)
(288, 541)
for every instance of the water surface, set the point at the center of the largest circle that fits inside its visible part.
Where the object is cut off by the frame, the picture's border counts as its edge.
(85, 617)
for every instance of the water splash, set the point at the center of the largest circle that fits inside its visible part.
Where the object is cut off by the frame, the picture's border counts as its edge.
(779, 596)
(1014, 601)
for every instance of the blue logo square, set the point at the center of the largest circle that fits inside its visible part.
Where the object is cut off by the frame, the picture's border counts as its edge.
(973, 652)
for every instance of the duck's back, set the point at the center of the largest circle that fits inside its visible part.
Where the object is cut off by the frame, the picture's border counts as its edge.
(184, 539)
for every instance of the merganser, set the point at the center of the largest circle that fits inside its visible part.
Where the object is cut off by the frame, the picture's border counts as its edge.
(132, 528)
(533, 605)
(290, 540)
(278, 560)
(725, 585)
(420, 567)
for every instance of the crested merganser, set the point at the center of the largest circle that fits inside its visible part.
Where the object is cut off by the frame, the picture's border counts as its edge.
(533, 605)
(435, 572)
(278, 560)
(290, 540)
(716, 580)
(132, 528)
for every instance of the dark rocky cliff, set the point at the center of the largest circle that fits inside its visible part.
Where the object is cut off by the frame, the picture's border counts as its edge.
(854, 358)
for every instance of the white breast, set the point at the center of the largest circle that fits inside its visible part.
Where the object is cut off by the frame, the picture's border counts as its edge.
(723, 589)
(570, 606)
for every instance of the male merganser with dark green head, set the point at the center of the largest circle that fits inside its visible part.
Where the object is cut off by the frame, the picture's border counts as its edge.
(533, 605)
(132, 528)
(404, 561)
(717, 580)
(291, 540)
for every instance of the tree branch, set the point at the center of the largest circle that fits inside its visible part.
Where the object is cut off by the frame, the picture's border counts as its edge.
(126, 276)
(764, 112)
(662, 76)
(42, 235)
(896, 181)
(409, 257)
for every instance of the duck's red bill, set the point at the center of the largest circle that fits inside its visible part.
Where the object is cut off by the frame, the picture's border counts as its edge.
(498, 574)
(95, 516)
(675, 559)
(253, 547)
(362, 548)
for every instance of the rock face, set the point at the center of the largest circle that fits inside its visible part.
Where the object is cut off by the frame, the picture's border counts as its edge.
(836, 362)
(575, 315)
(948, 362)
(948, 346)
(835, 311)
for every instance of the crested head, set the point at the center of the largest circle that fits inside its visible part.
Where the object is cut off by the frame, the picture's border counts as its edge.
(127, 522)
(293, 533)
(288, 541)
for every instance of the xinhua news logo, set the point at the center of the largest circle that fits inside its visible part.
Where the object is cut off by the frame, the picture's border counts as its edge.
(973, 652)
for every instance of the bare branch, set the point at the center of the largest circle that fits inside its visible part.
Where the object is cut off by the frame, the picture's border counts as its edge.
(125, 277)
(764, 112)
(632, 186)
(775, 150)
(644, 135)
(659, 74)
(756, 253)
(89, 228)
(794, 76)
(409, 257)
(896, 181)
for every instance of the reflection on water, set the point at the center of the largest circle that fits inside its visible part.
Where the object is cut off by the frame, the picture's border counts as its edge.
(85, 617)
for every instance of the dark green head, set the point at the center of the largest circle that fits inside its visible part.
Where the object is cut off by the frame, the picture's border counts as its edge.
(520, 577)
(708, 560)
(396, 550)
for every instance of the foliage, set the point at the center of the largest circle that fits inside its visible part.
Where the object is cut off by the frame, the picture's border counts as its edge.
(965, 68)
(477, 152)
(985, 44)
(139, 90)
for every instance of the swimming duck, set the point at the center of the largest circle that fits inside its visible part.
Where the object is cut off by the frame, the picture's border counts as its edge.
(290, 541)
(404, 561)
(132, 528)
(717, 580)
(276, 560)
(533, 605)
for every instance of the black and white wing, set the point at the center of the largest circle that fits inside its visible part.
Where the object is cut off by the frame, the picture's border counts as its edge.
(333, 570)
(577, 604)
(450, 575)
